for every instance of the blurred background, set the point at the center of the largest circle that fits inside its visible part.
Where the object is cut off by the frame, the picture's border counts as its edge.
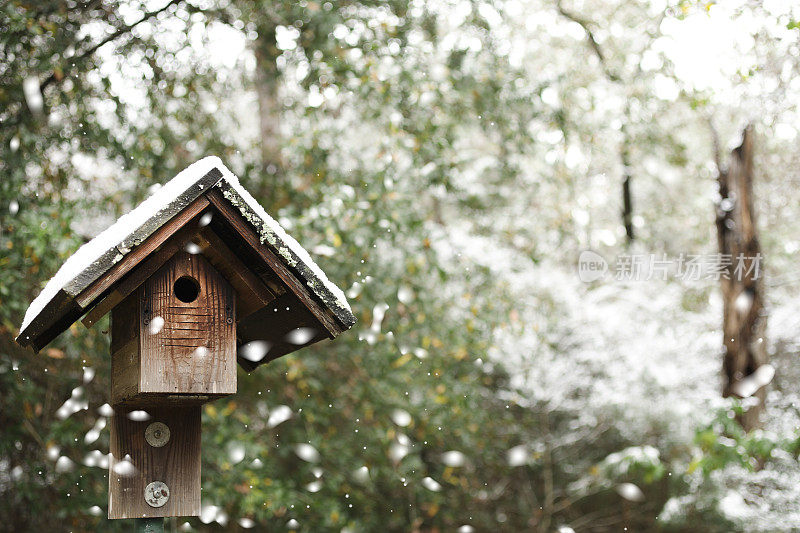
(445, 162)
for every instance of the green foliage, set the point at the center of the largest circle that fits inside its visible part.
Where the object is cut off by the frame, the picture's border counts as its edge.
(698, 488)
(411, 134)
(634, 465)
(342, 394)
(723, 442)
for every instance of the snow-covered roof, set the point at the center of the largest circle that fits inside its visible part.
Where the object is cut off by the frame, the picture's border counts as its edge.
(94, 258)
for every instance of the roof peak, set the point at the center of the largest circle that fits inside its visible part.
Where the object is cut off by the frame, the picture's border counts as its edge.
(110, 246)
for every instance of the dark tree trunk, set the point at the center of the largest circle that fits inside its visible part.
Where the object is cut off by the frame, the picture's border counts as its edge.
(627, 196)
(744, 319)
(627, 181)
(267, 79)
(627, 200)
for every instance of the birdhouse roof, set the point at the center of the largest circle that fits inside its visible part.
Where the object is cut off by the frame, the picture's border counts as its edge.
(79, 283)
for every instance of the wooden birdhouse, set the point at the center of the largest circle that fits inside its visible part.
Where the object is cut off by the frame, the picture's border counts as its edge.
(196, 278)
(175, 336)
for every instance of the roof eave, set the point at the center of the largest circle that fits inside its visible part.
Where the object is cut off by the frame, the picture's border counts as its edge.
(72, 289)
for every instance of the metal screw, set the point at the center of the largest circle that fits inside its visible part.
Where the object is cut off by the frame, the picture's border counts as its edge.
(157, 434)
(229, 320)
(156, 494)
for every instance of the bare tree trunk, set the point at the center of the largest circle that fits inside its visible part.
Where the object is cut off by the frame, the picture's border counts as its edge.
(613, 76)
(627, 179)
(744, 319)
(269, 112)
(627, 199)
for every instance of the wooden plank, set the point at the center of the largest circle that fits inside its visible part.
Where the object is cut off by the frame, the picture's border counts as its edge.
(125, 350)
(62, 317)
(248, 233)
(135, 463)
(137, 236)
(192, 350)
(251, 293)
(125, 372)
(139, 273)
(140, 253)
(124, 323)
(146, 400)
(300, 266)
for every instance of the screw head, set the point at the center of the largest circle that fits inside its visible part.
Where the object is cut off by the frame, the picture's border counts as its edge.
(156, 434)
(156, 494)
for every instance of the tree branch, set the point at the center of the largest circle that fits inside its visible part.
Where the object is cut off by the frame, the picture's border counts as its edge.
(585, 24)
(715, 143)
(111, 37)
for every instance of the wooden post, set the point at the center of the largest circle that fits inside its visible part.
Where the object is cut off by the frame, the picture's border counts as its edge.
(173, 344)
(155, 462)
(148, 525)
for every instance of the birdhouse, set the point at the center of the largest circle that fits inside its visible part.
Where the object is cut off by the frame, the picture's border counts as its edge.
(174, 337)
(196, 278)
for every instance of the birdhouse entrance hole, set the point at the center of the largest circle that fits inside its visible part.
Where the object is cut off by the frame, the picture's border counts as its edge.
(186, 289)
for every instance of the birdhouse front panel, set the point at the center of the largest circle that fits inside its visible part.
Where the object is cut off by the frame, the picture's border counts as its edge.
(174, 338)
(188, 329)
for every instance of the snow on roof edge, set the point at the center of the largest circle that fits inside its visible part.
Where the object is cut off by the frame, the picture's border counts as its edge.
(135, 219)
(114, 234)
(288, 248)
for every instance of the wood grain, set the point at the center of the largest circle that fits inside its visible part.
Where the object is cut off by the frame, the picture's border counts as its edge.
(125, 373)
(252, 294)
(125, 350)
(73, 299)
(195, 350)
(248, 233)
(177, 463)
(140, 253)
(139, 273)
